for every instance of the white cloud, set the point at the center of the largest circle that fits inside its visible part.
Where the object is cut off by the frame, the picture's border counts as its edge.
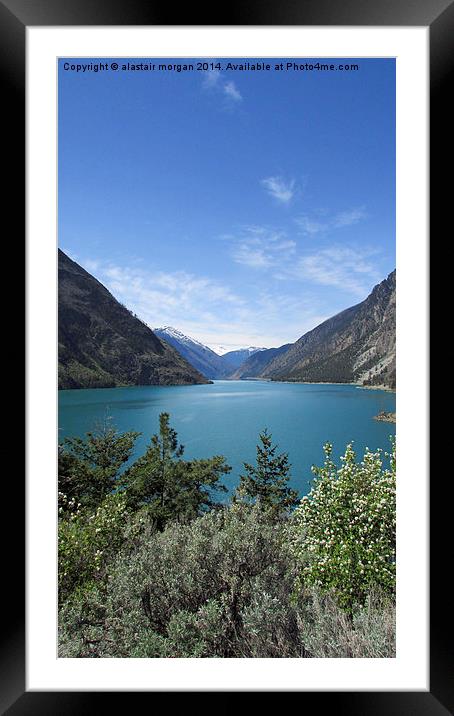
(261, 248)
(270, 252)
(91, 265)
(280, 301)
(232, 92)
(211, 79)
(248, 255)
(160, 297)
(210, 311)
(214, 81)
(348, 218)
(340, 267)
(280, 189)
(311, 226)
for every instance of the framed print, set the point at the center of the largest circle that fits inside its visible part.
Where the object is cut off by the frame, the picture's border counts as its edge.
(232, 201)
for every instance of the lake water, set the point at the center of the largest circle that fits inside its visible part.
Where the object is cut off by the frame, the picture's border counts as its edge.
(225, 418)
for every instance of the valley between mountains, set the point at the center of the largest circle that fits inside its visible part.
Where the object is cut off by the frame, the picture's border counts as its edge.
(103, 344)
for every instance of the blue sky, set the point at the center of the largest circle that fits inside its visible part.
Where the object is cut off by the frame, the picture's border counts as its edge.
(240, 207)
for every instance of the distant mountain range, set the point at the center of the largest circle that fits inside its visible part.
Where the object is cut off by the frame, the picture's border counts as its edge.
(357, 345)
(102, 344)
(254, 366)
(238, 357)
(203, 358)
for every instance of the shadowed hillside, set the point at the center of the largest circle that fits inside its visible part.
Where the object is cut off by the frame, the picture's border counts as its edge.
(101, 344)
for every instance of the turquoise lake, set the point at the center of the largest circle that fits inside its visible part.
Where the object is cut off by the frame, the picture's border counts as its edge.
(225, 418)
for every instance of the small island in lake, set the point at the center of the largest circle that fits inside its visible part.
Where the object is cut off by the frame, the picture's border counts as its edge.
(385, 417)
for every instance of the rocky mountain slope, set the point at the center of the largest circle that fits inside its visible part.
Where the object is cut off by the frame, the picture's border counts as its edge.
(201, 357)
(357, 345)
(102, 344)
(256, 364)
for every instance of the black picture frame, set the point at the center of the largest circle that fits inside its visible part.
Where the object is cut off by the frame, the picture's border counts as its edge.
(15, 17)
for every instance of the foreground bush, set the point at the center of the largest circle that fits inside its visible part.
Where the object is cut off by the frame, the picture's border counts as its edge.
(87, 539)
(344, 532)
(329, 632)
(219, 586)
(151, 566)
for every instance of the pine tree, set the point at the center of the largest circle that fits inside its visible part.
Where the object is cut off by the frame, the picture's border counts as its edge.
(89, 468)
(266, 482)
(169, 486)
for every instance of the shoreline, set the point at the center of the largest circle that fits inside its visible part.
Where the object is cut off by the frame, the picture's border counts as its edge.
(375, 387)
(385, 417)
(211, 381)
(327, 382)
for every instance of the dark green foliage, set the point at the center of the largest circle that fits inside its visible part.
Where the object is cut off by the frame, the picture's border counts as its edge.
(171, 487)
(89, 468)
(266, 481)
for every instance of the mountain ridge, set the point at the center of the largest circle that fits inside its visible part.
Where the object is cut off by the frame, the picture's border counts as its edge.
(196, 353)
(356, 345)
(101, 344)
(202, 357)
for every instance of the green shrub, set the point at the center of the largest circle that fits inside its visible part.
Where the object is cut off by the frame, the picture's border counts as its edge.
(218, 586)
(87, 539)
(343, 532)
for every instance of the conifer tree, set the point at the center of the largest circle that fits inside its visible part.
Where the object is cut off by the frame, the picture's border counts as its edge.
(89, 468)
(266, 482)
(169, 486)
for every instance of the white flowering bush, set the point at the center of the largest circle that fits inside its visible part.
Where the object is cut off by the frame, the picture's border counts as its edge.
(343, 532)
(86, 539)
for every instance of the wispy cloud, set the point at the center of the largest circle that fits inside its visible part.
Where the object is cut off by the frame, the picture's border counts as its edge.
(232, 92)
(259, 247)
(209, 310)
(164, 297)
(91, 265)
(340, 267)
(280, 189)
(347, 268)
(214, 81)
(211, 79)
(348, 218)
(310, 225)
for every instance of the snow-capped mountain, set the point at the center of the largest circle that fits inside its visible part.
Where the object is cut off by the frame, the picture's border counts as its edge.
(220, 350)
(198, 355)
(211, 363)
(236, 358)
